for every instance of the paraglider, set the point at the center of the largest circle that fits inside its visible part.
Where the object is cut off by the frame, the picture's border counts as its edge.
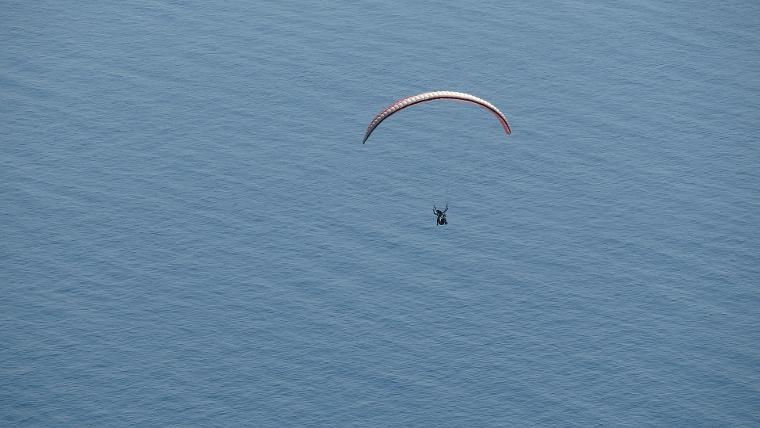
(430, 96)
(440, 216)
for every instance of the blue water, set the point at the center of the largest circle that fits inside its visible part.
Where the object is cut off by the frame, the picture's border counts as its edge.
(192, 234)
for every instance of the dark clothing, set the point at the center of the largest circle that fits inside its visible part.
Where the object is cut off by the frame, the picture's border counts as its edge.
(440, 217)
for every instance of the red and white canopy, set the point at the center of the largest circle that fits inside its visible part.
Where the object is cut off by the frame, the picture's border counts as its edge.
(430, 96)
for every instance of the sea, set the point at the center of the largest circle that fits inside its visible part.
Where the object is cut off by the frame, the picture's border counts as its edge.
(192, 233)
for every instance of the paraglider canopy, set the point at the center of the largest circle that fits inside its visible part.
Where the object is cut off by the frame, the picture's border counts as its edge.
(430, 96)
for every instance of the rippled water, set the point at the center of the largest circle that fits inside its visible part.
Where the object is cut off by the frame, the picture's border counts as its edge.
(192, 234)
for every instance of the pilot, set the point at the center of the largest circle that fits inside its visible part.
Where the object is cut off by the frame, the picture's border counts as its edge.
(440, 216)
